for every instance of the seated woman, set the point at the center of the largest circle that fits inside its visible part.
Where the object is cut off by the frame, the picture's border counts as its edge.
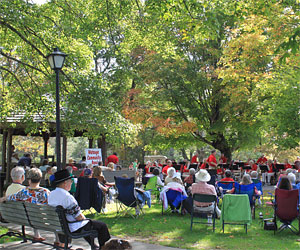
(33, 194)
(285, 183)
(246, 180)
(189, 180)
(172, 176)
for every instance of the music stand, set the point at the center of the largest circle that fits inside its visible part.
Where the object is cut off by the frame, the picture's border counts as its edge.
(263, 168)
(194, 165)
(279, 166)
(142, 166)
(177, 167)
(223, 165)
(234, 167)
(246, 167)
(240, 164)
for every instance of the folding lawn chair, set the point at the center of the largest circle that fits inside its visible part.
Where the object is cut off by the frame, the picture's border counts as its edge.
(286, 209)
(126, 199)
(89, 194)
(250, 191)
(236, 210)
(204, 198)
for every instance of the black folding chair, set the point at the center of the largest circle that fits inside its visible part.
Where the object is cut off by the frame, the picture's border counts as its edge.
(204, 198)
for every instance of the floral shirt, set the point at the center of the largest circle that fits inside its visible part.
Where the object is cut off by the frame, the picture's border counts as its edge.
(32, 195)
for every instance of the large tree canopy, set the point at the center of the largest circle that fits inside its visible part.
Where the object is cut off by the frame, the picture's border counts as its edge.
(217, 72)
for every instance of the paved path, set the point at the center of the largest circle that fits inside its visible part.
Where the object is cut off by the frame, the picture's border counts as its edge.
(77, 243)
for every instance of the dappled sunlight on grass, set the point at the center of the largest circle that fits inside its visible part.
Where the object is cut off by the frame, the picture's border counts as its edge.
(174, 230)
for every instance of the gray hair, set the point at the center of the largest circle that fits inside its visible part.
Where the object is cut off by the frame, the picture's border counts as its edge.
(171, 171)
(53, 170)
(70, 169)
(246, 179)
(192, 171)
(16, 173)
(292, 178)
(35, 175)
(254, 174)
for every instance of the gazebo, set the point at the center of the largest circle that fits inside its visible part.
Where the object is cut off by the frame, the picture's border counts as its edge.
(16, 125)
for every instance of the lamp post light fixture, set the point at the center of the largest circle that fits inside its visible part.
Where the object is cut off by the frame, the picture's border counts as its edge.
(56, 60)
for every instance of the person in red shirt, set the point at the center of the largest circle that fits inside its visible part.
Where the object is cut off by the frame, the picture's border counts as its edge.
(266, 177)
(287, 164)
(227, 176)
(71, 164)
(194, 158)
(203, 165)
(223, 159)
(165, 169)
(112, 158)
(262, 160)
(212, 161)
(253, 165)
(147, 167)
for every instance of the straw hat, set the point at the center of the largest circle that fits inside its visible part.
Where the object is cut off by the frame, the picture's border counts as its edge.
(203, 175)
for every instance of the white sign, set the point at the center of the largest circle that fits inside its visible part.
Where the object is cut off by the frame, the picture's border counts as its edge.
(93, 156)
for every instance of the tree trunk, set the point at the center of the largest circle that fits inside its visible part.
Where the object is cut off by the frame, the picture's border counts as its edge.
(184, 155)
(102, 144)
(221, 144)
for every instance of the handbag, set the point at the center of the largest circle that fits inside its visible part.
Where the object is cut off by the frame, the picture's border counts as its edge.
(270, 224)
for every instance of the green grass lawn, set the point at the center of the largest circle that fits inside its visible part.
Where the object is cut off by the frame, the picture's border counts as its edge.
(6, 239)
(174, 230)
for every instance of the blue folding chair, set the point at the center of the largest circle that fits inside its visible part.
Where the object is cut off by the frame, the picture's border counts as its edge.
(259, 187)
(175, 199)
(250, 191)
(225, 185)
(126, 197)
(89, 194)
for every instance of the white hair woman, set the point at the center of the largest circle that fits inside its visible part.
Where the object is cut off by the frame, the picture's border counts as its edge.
(170, 174)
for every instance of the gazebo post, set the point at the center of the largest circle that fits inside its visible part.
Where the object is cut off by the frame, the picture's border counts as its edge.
(4, 139)
(46, 137)
(64, 153)
(9, 152)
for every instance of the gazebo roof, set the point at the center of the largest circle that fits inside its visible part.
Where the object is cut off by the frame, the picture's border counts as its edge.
(20, 124)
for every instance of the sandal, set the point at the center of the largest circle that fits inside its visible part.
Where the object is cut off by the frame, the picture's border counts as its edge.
(39, 238)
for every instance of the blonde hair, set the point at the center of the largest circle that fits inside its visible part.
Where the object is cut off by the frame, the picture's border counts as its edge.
(111, 165)
(97, 171)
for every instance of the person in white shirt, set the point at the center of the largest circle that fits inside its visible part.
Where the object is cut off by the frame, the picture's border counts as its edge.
(61, 196)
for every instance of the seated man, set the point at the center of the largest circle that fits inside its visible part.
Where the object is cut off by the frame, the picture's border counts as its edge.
(18, 176)
(201, 187)
(227, 176)
(61, 196)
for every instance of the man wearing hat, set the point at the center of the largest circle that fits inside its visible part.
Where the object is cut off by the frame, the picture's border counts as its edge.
(201, 187)
(61, 196)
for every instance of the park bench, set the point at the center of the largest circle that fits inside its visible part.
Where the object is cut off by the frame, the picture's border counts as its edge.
(42, 217)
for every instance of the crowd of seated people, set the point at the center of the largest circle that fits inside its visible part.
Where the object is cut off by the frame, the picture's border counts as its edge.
(184, 174)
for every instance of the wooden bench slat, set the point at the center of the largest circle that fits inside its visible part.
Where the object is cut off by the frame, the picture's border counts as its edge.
(42, 217)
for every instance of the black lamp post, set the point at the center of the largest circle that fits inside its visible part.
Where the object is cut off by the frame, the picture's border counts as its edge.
(56, 60)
